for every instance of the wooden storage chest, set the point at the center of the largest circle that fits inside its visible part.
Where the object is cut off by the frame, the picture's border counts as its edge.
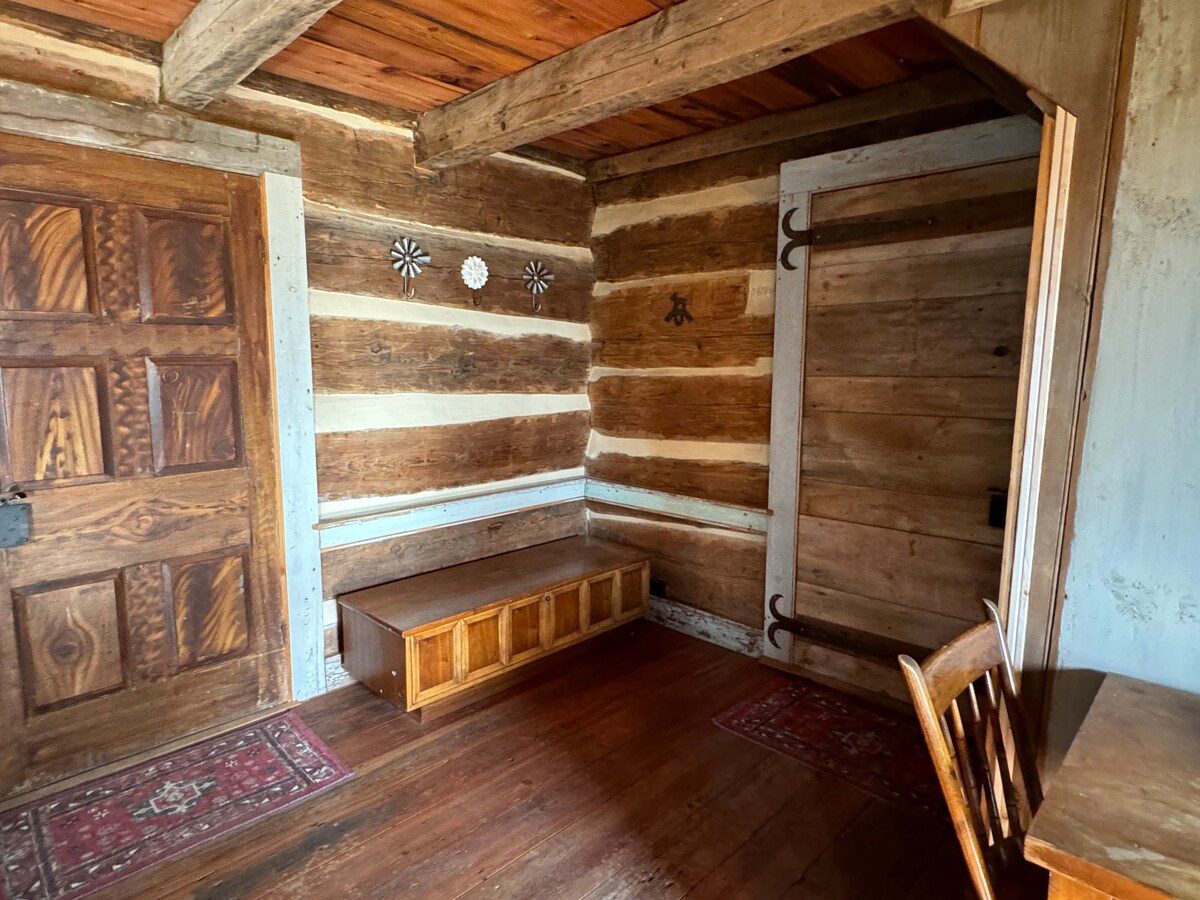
(433, 636)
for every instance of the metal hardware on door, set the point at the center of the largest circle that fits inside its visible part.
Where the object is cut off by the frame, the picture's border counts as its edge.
(782, 622)
(796, 239)
(15, 519)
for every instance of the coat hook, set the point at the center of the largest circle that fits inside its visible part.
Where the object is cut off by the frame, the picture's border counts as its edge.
(408, 258)
(537, 280)
(475, 276)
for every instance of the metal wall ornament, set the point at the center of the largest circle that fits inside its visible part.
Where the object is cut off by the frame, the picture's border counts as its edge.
(679, 311)
(407, 259)
(537, 280)
(475, 276)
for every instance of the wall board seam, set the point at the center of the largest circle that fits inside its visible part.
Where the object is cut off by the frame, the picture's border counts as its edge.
(576, 252)
(601, 289)
(683, 450)
(750, 192)
(346, 412)
(762, 366)
(370, 308)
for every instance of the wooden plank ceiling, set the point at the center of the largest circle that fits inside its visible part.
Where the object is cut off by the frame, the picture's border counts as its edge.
(418, 54)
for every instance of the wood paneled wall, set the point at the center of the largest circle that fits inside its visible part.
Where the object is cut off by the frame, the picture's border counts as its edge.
(685, 409)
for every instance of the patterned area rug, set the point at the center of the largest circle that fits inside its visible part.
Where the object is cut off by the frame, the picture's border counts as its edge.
(870, 747)
(85, 838)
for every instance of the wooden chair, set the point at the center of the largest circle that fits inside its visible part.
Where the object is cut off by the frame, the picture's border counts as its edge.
(966, 700)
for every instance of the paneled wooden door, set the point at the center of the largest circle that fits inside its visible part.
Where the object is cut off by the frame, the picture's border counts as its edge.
(136, 400)
(906, 297)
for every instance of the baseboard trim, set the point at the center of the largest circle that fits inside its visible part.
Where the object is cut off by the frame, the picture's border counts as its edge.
(706, 626)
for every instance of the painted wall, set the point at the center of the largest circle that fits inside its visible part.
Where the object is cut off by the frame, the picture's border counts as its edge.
(1132, 600)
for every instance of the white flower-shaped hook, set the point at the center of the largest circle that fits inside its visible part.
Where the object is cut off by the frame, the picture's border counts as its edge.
(474, 276)
(537, 280)
(407, 259)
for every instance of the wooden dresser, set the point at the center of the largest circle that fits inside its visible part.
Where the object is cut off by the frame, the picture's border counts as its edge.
(433, 636)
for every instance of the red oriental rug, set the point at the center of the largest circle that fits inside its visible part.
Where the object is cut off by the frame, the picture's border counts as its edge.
(85, 838)
(876, 749)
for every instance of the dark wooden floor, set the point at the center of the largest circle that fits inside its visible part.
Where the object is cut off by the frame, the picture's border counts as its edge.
(601, 778)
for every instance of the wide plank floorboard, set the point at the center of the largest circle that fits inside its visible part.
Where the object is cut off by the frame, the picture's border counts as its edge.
(603, 777)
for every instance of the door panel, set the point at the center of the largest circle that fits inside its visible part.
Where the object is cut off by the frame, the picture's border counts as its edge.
(70, 641)
(136, 412)
(44, 258)
(897, 380)
(193, 414)
(52, 424)
(185, 269)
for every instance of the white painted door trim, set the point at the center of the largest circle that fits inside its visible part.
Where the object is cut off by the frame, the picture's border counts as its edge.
(295, 429)
(1025, 529)
(957, 148)
(168, 135)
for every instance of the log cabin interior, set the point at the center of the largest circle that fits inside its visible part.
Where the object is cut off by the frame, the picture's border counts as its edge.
(547, 448)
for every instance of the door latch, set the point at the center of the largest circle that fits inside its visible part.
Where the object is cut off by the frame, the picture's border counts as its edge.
(15, 518)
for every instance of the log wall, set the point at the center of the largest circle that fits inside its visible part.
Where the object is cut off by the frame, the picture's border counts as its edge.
(422, 400)
(683, 411)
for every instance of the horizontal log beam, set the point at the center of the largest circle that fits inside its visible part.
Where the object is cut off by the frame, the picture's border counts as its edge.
(929, 92)
(682, 49)
(223, 41)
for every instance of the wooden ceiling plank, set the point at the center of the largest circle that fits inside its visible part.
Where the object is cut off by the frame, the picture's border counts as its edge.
(928, 92)
(223, 41)
(684, 48)
(153, 19)
(538, 30)
(338, 69)
(403, 24)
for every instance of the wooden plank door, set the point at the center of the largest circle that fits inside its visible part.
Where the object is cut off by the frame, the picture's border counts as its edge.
(136, 412)
(912, 320)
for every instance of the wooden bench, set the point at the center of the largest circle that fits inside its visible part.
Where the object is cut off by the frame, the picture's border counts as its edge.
(433, 636)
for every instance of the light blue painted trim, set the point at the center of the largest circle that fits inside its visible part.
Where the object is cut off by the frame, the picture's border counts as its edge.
(418, 518)
(292, 353)
(740, 517)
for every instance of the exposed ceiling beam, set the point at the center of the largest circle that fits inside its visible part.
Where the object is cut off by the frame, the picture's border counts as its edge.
(684, 48)
(223, 41)
(933, 91)
(1008, 90)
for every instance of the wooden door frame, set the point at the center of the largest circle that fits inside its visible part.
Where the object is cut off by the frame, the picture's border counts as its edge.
(1034, 528)
(996, 141)
(172, 137)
